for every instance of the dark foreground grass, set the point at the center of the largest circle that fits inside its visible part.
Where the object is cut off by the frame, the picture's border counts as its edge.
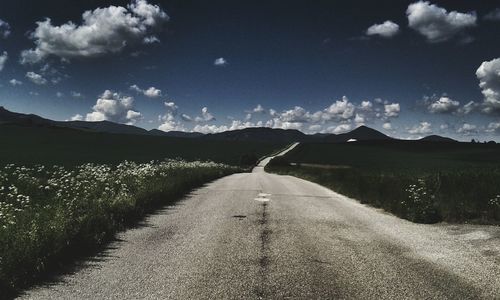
(421, 182)
(50, 215)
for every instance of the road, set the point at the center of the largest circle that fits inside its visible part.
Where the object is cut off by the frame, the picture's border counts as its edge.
(264, 236)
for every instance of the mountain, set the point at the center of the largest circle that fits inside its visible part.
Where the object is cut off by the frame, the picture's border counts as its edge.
(362, 133)
(103, 126)
(437, 138)
(175, 133)
(253, 134)
(8, 117)
(262, 134)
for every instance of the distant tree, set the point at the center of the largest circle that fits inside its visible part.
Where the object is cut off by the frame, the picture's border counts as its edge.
(473, 141)
(492, 143)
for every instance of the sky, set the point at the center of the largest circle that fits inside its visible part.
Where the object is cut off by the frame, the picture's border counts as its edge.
(406, 68)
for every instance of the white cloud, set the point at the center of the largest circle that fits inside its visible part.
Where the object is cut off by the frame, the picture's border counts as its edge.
(209, 128)
(366, 105)
(59, 94)
(169, 123)
(359, 119)
(186, 118)
(341, 109)
(259, 109)
(392, 110)
(315, 128)
(489, 82)
(150, 40)
(468, 108)
(422, 128)
(493, 127)
(114, 107)
(443, 105)
(220, 62)
(206, 116)
(387, 126)
(444, 126)
(76, 94)
(4, 29)
(15, 82)
(387, 29)
(342, 128)
(102, 31)
(467, 129)
(76, 117)
(36, 78)
(3, 59)
(150, 92)
(493, 15)
(435, 23)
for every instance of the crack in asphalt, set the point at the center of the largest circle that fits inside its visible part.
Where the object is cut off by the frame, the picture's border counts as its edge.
(264, 259)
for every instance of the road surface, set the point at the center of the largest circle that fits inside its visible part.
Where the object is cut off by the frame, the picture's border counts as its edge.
(265, 236)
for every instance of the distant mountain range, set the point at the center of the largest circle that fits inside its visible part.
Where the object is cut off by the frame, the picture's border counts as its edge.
(262, 134)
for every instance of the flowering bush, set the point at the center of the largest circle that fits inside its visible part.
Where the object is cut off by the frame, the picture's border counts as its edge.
(420, 204)
(47, 212)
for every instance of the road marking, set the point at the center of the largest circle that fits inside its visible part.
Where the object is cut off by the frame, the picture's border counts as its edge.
(264, 195)
(261, 199)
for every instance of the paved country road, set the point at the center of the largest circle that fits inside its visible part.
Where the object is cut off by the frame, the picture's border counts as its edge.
(265, 236)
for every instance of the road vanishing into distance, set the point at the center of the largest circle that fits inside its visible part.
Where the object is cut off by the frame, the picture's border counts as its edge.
(263, 236)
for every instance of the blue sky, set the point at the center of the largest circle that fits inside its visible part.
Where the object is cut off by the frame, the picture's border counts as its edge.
(408, 68)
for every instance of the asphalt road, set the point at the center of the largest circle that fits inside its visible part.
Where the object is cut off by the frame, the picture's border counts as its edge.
(264, 236)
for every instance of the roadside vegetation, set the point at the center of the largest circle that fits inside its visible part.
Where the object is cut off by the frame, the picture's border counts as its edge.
(49, 214)
(424, 182)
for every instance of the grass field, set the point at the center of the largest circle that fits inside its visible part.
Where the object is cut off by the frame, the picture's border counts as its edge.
(64, 192)
(62, 146)
(421, 181)
(51, 214)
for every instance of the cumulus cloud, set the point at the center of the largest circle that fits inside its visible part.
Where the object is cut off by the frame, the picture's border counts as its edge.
(341, 109)
(206, 116)
(493, 15)
(15, 82)
(4, 29)
(359, 119)
(150, 92)
(150, 40)
(36, 78)
(387, 29)
(468, 108)
(259, 109)
(437, 24)
(102, 31)
(3, 59)
(366, 105)
(392, 110)
(342, 128)
(489, 82)
(422, 128)
(169, 122)
(467, 129)
(443, 105)
(114, 107)
(220, 62)
(76, 117)
(387, 126)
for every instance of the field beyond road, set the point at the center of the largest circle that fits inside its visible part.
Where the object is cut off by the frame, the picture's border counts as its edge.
(421, 181)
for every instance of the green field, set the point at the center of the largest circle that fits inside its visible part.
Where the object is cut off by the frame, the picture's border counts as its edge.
(61, 146)
(420, 181)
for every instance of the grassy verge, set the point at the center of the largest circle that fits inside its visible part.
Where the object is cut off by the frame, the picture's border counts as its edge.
(468, 195)
(49, 214)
